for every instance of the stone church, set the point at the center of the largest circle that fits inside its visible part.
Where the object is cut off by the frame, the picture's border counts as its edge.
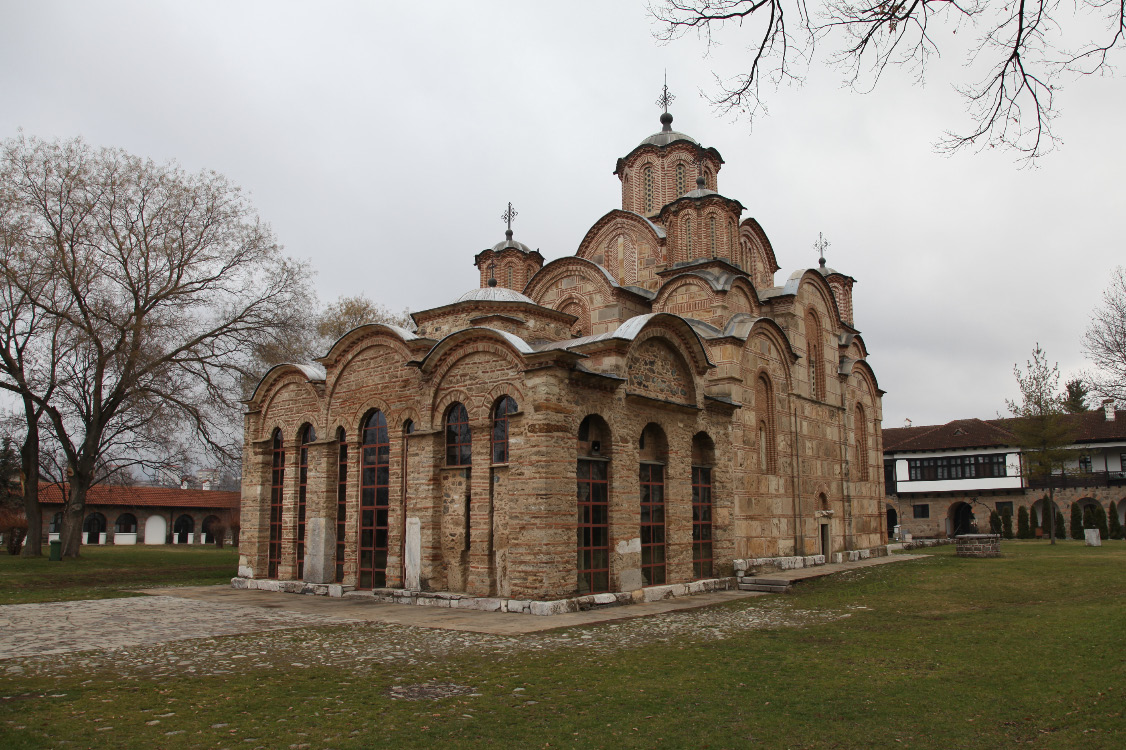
(642, 413)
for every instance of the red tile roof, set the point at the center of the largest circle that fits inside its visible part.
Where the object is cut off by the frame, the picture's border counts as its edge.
(1091, 426)
(170, 497)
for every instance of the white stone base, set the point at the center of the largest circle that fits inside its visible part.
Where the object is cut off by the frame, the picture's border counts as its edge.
(450, 600)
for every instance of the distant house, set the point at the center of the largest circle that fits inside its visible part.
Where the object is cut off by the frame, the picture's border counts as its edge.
(117, 514)
(943, 480)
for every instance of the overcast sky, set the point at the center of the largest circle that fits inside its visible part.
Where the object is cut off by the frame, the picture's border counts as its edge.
(383, 141)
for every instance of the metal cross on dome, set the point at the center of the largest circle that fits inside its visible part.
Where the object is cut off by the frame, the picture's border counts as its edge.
(666, 97)
(509, 215)
(820, 246)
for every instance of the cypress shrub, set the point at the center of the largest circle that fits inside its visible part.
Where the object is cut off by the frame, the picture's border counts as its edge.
(1089, 517)
(1076, 521)
(1022, 523)
(1033, 522)
(1115, 526)
(994, 522)
(1007, 523)
(1099, 514)
(1046, 519)
(1061, 532)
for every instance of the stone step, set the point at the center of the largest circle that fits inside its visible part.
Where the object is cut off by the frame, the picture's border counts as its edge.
(764, 587)
(765, 580)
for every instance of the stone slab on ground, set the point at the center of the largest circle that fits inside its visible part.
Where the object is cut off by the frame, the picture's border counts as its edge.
(830, 568)
(101, 624)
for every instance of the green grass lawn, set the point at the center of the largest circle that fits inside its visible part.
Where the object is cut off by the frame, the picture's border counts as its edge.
(108, 572)
(1021, 651)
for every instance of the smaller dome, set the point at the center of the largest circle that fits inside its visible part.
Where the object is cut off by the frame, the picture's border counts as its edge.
(665, 137)
(511, 243)
(493, 294)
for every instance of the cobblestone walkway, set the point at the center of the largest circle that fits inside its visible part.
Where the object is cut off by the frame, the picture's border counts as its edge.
(63, 627)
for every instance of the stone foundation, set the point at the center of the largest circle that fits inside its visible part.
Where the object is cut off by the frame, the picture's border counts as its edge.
(492, 604)
(978, 545)
(920, 543)
(758, 565)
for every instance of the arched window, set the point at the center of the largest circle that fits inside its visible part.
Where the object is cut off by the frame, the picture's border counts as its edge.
(733, 243)
(505, 405)
(374, 503)
(648, 182)
(709, 180)
(93, 528)
(679, 179)
(277, 481)
(183, 530)
(308, 435)
(654, 454)
(768, 439)
(509, 277)
(814, 356)
(126, 523)
(458, 440)
(593, 487)
(860, 428)
(211, 527)
(688, 237)
(341, 500)
(703, 458)
(714, 234)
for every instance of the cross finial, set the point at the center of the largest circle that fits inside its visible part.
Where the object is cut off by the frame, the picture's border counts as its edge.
(666, 98)
(507, 217)
(820, 245)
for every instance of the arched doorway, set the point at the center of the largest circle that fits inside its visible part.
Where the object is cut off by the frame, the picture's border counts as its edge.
(156, 529)
(183, 530)
(961, 519)
(892, 522)
(94, 529)
(212, 527)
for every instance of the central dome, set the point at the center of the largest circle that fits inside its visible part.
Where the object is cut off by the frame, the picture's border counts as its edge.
(667, 134)
(493, 294)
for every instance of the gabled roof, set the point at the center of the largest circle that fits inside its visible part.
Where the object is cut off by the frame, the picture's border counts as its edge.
(145, 497)
(1090, 427)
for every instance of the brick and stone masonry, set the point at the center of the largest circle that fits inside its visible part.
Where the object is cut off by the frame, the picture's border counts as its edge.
(663, 346)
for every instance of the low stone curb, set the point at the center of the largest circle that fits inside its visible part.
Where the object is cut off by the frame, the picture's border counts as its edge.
(757, 565)
(492, 604)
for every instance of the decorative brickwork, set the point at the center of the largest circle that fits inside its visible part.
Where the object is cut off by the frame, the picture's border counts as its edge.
(640, 334)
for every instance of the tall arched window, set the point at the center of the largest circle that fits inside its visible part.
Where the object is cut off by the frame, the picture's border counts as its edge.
(679, 179)
(703, 458)
(709, 180)
(374, 503)
(277, 482)
(654, 454)
(814, 356)
(732, 243)
(860, 428)
(93, 528)
(308, 435)
(458, 440)
(648, 182)
(688, 237)
(593, 487)
(714, 234)
(505, 405)
(341, 500)
(768, 439)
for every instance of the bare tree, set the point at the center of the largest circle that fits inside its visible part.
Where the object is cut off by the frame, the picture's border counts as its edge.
(347, 313)
(167, 283)
(1042, 428)
(1024, 51)
(1105, 341)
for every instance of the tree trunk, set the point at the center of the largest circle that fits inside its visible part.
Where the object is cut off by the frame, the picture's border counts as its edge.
(73, 513)
(29, 460)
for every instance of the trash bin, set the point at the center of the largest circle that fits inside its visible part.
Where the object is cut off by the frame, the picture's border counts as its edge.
(56, 550)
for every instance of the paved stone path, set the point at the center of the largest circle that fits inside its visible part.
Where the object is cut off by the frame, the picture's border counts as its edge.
(177, 614)
(62, 627)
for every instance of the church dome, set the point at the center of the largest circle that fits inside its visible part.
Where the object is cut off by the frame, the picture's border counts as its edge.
(508, 242)
(493, 294)
(667, 134)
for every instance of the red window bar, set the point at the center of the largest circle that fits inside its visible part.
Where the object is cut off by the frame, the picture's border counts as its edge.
(458, 440)
(277, 480)
(308, 435)
(594, 527)
(505, 406)
(341, 504)
(374, 501)
(702, 522)
(652, 524)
